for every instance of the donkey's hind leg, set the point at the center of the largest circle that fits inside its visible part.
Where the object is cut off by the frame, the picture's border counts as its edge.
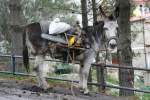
(40, 74)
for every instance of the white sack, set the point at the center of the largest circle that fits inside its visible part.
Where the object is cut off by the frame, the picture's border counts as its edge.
(58, 27)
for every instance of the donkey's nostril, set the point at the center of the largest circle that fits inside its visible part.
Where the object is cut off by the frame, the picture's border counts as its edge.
(112, 46)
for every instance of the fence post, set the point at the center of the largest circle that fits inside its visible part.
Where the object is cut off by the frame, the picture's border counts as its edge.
(90, 79)
(98, 77)
(101, 78)
(13, 60)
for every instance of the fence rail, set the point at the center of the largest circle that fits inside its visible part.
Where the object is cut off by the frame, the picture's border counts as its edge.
(13, 64)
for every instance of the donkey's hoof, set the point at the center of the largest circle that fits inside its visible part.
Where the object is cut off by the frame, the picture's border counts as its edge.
(86, 92)
(44, 86)
(48, 90)
(36, 89)
(81, 90)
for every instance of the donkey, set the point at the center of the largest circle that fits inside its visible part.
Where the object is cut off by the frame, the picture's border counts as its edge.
(34, 44)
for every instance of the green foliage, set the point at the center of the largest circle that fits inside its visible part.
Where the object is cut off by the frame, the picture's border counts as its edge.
(133, 6)
(4, 12)
(37, 10)
(114, 92)
(69, 19)
(112, 80)
(5, 47)
(16, 77)
(145, 96)
(63, 68)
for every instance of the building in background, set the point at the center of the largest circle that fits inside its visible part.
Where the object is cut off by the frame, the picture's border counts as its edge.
(141, 44)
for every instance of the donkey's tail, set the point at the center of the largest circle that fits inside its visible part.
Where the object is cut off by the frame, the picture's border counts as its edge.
(25, 53)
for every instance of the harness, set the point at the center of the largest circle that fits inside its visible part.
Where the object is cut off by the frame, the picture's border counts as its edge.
(72, 40)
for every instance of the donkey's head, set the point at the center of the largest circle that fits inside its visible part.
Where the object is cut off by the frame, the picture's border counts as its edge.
(108, 12)
(110, 30)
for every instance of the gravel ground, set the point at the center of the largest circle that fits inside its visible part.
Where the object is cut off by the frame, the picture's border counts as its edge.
(14, 90)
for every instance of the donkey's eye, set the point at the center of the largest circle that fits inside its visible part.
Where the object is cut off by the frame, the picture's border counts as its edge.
(117, 28)
(105, 28)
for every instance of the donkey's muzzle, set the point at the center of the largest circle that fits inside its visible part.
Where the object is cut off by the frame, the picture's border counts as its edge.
(112, 44)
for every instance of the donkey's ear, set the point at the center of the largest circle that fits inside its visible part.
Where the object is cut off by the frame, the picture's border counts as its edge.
(101, 11)
(111, 17)
(99, 23)
(116, 13)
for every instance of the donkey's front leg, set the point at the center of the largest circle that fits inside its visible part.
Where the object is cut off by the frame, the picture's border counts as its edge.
(89, 59)
(81, 77)
(39, 62)
(84, 79)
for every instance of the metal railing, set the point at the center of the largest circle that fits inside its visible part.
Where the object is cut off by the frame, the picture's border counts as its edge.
(13, 65)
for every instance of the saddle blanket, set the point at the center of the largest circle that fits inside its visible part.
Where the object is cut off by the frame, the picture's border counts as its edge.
(70, 41)
(53, 38)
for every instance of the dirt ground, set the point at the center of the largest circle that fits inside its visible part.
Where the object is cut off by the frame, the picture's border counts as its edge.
(14, 90)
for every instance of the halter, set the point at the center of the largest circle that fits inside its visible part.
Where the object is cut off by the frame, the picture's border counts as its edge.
(112, 38)
(107, 40)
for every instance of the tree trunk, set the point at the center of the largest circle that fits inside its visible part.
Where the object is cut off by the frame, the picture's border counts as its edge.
(15, 22)
(126, 77)
(94, 11)
(84, 13)
(85, 24)
(99, 70)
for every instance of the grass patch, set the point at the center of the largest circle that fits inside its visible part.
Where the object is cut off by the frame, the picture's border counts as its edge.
(21, 78)
(9, 75)
(112, 80)
(145, 96)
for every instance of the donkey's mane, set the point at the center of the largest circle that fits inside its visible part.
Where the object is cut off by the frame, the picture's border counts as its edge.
(95, 32)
